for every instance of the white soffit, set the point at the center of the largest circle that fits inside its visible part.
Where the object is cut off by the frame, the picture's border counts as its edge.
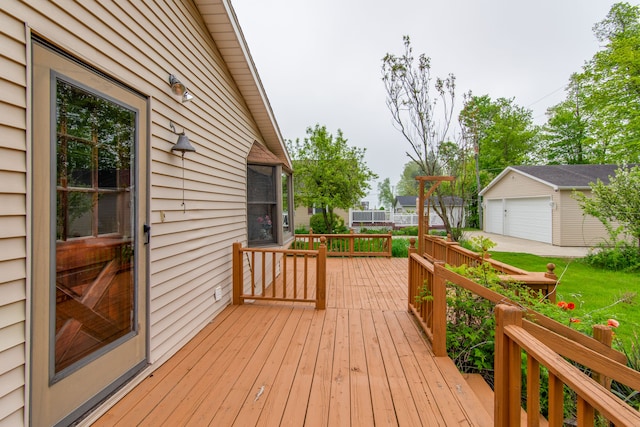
(224, 28)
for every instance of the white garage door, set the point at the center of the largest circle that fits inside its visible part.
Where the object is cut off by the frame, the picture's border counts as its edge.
(528, 218)
(493, 216)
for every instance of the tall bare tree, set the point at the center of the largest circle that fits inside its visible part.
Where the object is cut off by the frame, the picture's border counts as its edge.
(422, 110)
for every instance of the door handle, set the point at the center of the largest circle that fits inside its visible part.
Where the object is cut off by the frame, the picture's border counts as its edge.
(147, 231)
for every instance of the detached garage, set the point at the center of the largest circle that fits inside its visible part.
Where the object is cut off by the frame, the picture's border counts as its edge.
(535, 203)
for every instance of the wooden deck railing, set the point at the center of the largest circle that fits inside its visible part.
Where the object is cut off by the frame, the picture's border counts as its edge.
(268, 279)
(347, 244)
(443, 249)
(515, 334)
(546, 342)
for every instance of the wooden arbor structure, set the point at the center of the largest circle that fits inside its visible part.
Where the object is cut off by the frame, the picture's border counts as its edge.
(423, 221)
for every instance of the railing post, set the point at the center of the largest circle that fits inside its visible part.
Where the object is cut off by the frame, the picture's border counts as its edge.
(310, 244)
(410, 279)
(439, 294)
(321, 275)
(351, 244)
(390, 245)
(506, 368)
(604, 334)
(238, 276)
(550, 274)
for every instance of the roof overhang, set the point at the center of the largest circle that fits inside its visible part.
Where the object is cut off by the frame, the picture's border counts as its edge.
(222, 23)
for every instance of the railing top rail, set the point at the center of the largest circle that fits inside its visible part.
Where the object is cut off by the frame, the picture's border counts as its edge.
(541, 319)
(595, 394)
(281, 251)
(422, 261)
(344, 235)
(595, 360)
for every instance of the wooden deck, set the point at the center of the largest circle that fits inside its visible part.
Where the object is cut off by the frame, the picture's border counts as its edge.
(360, 362)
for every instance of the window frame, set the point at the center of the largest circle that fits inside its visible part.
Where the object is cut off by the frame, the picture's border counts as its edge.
(275, 209)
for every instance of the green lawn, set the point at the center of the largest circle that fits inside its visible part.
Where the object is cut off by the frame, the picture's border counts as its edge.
(598, 294)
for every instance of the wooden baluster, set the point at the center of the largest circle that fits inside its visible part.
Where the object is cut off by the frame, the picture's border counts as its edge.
(273, 271)
(253, 273)
(439, 313)
(306, 275)
(295, 278)
(351, 244)
(263, 288)
(586, 414)
(411, 276)
(533, 392)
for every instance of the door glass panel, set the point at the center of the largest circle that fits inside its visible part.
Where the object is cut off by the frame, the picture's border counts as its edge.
(95, 197)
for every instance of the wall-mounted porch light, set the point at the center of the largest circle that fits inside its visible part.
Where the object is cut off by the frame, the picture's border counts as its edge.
(182, 145)
(179, 89)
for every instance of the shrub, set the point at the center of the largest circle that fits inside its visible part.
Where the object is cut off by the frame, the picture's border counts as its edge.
(619, 257)
(633, 361)
(406, 231)
(302, 229)
(377, 230)
(319, 227)
(400, 248)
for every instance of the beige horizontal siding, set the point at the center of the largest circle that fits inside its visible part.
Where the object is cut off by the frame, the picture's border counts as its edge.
(516, 185)
(579, 229)
(13, 204)
(139, 43)
(13, 229)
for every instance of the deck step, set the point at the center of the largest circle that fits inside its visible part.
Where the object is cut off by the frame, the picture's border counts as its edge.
(472, 404)
(485, 395)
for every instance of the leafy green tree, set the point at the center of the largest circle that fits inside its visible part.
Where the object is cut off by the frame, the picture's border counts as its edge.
(565, 133)
(385, 193)
(408, 186)
(618, 201)
(607, 91)
(502, 132)
(329, 173)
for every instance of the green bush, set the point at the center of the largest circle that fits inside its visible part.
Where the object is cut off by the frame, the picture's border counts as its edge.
(301, 230)
(620, 257)
(624, 392)
(406, 231)
(378, 230)
(400, 248)
(319, 227)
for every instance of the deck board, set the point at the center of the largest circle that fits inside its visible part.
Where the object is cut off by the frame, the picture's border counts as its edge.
(360, 362)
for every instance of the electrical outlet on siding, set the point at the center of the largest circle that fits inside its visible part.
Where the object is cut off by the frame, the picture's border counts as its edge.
(217, 295)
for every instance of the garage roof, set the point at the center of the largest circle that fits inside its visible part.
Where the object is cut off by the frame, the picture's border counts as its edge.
(561, 177)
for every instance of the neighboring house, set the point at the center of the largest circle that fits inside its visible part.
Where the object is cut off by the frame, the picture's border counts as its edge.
(455, 209)
(115, 250)
(303, 215)
(536, 203)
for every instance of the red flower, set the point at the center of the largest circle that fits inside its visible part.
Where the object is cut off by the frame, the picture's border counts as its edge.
(566, 305)
(613, 323)
(574, 320)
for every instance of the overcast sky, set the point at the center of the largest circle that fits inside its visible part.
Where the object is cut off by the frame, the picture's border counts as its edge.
(320, 61)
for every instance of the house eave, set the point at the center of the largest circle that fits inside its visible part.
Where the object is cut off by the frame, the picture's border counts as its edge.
(222, 23)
